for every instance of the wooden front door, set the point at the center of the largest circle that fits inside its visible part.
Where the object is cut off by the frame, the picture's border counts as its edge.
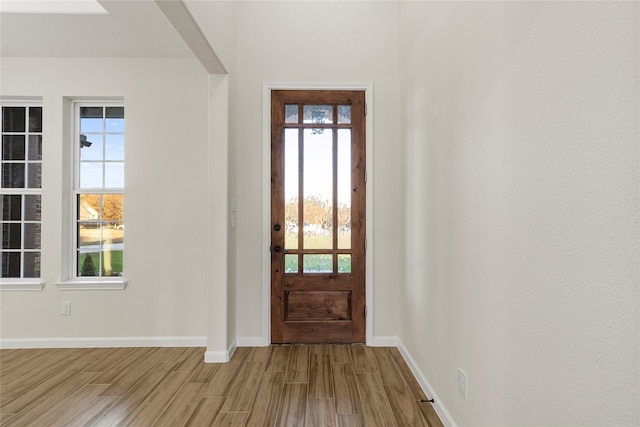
(317, 216)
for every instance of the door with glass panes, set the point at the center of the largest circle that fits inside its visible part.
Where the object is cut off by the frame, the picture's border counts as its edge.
(317, 216)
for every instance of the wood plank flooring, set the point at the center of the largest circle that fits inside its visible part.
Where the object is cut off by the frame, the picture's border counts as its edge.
(312, 385)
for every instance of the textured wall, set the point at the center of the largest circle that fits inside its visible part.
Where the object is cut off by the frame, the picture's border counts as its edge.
(520, 122)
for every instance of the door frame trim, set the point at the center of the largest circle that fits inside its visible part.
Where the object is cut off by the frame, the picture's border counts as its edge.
(267, 87)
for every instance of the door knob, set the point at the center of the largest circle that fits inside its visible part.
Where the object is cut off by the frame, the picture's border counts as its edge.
(277, 248)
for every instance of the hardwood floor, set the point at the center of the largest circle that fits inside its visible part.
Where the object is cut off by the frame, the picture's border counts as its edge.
(313, 385)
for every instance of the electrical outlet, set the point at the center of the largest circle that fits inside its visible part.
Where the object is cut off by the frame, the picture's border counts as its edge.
(462, 382)
(65, 308)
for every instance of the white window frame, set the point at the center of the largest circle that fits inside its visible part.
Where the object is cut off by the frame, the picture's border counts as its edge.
(75, 281)
(22, 283)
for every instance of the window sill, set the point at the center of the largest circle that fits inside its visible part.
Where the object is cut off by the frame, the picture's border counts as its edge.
(92, 285)
(21, 285)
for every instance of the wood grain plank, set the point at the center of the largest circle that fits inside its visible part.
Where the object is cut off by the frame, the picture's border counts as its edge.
(429, 414)
(363, 359)
(340, 353)
(293, 405)
(206, 411)
(244, 389)
(80, 408)
(320, 412)
(265, 407)
(195, 357)
(119, 368)
(23, 379)
(50, 399)
(350, 420)
(298, 366)
(156, 402)
(28, 396)
(346, 390)
(404, 406)
(133, 397)
(320, 378)
(375, 405)
(278, 359)
(180, 410)
(130, 375)
(388, 372)
(205, 372)
(221, 384)
(231, 419)
(407, 375)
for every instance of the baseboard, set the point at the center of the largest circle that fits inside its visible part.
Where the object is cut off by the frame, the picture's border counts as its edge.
(383, 342)
(252, 342)
(103, 342)
(212, 356)
(442, 412)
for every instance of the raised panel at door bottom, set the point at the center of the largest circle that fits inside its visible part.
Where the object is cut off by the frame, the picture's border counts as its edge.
(317, 305)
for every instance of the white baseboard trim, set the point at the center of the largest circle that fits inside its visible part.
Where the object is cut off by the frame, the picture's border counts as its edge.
(213, 356)
(252, 342)
(23, 343)
(383, 342)
(442, 412)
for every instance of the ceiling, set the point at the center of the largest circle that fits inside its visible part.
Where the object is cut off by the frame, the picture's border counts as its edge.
(130, 29)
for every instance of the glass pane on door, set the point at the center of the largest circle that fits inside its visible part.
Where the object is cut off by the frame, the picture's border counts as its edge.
(318, 189)
(344, 189)
(291, 188)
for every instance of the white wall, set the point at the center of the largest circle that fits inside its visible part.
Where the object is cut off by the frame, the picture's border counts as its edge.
(317, 42)
(520, 122)
(165, 260)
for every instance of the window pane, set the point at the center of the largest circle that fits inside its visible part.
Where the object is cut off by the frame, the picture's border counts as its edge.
(88, 264)
(114, 147)
(11, 207)
(89, 237)
(33, 208)
(13, 119)
(31, 264)
(32, 236)
(35, 175)
(91, 125)
(318, 114)
(10, 264)
(35, 119)
(115, 125)
(35, 147)
(13, 147)
(114, 112)
(11, 236)
(13, 175)
(291, 113)
(317, 263)
(291, 188)
(90, 175)
(114, 175)
(318, 189)
(91, 112)
(91, 147)
(89, 207)
(344, 189)
(344, 263)
(112, 262)
(291, 263)
(344, 113)
(113, 207)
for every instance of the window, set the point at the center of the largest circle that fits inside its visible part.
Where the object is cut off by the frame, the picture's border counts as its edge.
(98, 192)
(21, 189)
